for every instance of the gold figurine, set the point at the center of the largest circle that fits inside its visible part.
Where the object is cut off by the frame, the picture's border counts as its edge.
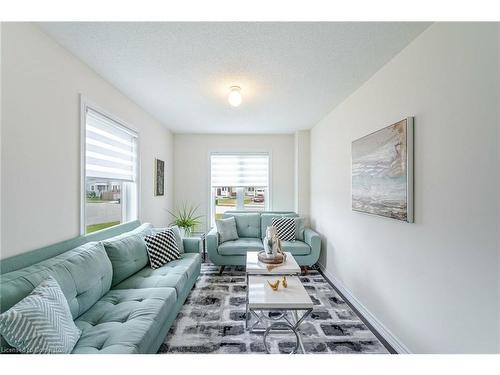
(274, 285)
(284, 282)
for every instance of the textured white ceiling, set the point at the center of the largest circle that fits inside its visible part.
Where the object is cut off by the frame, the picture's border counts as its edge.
(291, 74)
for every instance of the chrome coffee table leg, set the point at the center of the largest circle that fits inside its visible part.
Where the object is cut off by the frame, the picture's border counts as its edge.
(287, 325)
(247, 317)
(281, 326)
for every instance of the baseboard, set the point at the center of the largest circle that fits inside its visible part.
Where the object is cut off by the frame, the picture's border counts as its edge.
(387, 335)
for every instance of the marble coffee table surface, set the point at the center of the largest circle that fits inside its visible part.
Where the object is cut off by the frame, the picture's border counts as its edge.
(261, 296)
(255, 267)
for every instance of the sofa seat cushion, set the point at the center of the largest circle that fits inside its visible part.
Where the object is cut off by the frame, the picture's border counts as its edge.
(296, 247)
(124, 321)
(240, 246)
(174, 274)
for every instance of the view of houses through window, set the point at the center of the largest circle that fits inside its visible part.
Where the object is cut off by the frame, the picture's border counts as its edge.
(251, 199)
(110, 172)
(239, 182)
(103, 204)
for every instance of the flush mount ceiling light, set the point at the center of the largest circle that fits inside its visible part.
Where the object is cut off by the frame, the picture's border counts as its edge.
(234, 97)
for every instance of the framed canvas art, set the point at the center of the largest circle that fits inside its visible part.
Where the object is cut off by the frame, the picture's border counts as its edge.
(382, 172)
(159, 177)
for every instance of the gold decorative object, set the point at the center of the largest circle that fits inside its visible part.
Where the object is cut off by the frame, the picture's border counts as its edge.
(274, 285)
(284, 282)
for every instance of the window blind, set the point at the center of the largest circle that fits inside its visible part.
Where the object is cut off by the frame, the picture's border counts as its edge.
(111, 149)
(239, 170)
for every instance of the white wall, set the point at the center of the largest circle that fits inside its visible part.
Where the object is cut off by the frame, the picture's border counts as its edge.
(1, 126)
(191, 168)
(433, 284)
(302, 172)
(41, 83)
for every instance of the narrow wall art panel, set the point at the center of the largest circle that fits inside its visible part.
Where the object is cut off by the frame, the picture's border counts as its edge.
(159, 177)
(382, 172)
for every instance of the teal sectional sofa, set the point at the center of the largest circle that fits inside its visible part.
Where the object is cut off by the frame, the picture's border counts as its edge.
(119, 302)
(251, 228)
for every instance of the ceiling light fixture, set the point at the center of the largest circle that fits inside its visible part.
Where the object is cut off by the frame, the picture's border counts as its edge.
(234, 97)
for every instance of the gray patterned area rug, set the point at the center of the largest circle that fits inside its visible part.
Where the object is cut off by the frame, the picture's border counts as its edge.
(212, 320)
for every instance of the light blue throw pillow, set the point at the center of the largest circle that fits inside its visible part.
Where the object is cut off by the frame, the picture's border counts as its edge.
(41, 323)
(226, 229)
(299, 228)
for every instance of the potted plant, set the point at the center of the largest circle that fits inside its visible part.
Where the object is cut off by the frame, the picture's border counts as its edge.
(185, 219)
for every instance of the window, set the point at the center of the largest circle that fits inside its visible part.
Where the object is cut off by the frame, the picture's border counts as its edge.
(109, 173)
(238, 182)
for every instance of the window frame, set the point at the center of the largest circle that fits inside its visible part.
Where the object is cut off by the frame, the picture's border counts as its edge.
(211, 205)
(84, 104)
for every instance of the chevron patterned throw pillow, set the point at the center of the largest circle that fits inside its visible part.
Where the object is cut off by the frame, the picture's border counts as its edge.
(162, 248)
(285, 226)
(41, 323)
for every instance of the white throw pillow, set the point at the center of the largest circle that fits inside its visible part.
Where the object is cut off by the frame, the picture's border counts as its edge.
(41, 323)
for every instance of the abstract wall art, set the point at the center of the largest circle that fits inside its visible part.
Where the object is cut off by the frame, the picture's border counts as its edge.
(382, 172)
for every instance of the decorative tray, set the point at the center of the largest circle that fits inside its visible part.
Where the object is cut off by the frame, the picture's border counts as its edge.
(264, 258)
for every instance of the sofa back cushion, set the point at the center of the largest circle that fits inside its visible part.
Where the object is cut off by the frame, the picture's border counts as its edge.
(84, 275)
(267, 221)
(247, 223)
(32, 257)
(128, 252)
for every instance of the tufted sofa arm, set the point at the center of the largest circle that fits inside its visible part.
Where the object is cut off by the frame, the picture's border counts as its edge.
(191, 244)
(314, 240)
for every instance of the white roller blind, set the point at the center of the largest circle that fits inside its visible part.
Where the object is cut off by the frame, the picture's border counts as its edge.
(111, 149)
(240, 170)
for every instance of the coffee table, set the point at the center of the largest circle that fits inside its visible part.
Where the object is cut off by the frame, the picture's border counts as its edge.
(255, 267)
(287, 302)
